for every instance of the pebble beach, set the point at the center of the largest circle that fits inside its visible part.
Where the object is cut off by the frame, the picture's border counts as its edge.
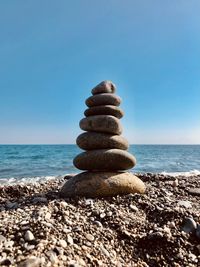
(159, 228)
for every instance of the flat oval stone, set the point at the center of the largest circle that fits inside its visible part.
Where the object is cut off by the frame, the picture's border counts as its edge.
(104, 159)
(102, 184)
(104, 87)
(103, 99)
(101, 123)
(194, 191)
(104, 110)
(93, 140)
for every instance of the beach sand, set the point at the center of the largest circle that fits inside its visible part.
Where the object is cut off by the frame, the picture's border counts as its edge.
(38, 228)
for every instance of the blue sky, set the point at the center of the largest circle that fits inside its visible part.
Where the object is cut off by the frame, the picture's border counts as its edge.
(53, 52)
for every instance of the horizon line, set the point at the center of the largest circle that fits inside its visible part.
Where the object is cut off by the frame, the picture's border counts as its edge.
(149, 144)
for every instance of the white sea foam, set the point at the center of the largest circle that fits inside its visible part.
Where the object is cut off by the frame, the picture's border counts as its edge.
(186, 174)
(26, 180)
(42, 179)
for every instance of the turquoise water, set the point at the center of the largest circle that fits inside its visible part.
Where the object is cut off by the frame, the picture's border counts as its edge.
(32, 161)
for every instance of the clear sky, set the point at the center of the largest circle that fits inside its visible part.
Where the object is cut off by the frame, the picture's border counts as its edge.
(53, 52)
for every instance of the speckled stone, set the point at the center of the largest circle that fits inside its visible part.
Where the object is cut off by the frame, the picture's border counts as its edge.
(104, 159)
(104, 110)
(101, 123)
(103, 99)
(102, 184)
(30, 262)
(93, 140)
(104, 87)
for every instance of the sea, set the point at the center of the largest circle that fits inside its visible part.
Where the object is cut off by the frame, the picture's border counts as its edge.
(37, 163)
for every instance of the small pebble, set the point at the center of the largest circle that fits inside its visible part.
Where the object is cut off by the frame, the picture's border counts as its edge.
(47, 216)
(102, 215)
(2, 239)
(63, 204)
(62, 243)
(67, 230)
(184, 203)
(29, 236)
(52, 257)
(89, 237)
(194, 191)
(104, 251)
(99, 224)
(70, 240)
(109, 213)
(175, 183)
(89, 202)
(133, 208)
(30, 262)
(171, 224)
(189, 225)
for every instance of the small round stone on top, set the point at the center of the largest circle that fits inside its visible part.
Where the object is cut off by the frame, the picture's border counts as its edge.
(104, 87)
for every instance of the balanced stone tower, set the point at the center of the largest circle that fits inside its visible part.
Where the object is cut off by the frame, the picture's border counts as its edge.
(106, 159)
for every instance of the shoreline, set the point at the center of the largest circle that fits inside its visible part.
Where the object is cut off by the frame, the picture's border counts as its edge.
(38, 228)
(43, 179)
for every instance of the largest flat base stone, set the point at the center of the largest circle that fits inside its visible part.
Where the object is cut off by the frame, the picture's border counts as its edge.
(102, 184)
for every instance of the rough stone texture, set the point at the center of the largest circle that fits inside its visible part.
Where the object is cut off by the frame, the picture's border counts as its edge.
(104, 87)
(124, 236)
(104, 110)
(104, 159)
(102, 184)
(93, 140)
(101, 123)
(103, 99)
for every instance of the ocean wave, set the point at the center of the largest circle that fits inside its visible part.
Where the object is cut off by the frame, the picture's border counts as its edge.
(42, 179)
(26, 180)
(186, 174)
(12, 153)
(17, 157)
(6, 170)
(34, 157)
(37, 157)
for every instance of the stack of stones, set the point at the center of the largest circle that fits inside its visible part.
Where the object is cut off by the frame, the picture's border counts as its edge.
(105, 159)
